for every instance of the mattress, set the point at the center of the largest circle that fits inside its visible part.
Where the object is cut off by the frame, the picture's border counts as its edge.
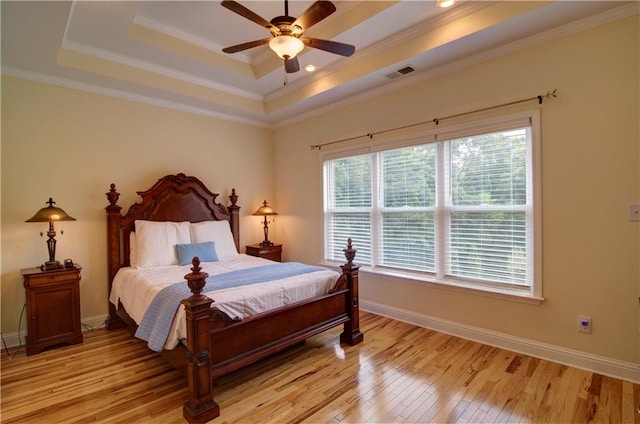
(136, 288)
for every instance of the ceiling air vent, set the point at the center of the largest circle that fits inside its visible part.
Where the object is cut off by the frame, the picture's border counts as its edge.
(400, 72)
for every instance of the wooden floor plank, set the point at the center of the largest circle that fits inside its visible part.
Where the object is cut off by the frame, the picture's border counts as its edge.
(400, 374)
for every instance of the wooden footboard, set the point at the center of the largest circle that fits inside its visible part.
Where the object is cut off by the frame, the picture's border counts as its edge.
(217, 345)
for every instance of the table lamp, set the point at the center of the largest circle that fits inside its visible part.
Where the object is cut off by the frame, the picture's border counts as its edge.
(265, 210)
(50, 214)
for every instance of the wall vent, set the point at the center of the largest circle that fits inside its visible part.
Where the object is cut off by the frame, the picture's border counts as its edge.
(400, 72)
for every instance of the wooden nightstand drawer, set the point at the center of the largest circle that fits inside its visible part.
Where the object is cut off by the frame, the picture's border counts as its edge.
(273, 252)
(54, 277)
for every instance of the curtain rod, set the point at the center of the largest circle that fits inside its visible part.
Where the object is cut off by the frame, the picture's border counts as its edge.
(539, 98)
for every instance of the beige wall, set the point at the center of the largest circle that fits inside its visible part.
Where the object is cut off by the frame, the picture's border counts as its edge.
(71, 145)
(590, 173)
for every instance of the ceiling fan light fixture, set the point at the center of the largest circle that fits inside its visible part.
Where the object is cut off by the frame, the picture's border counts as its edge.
(286, 45)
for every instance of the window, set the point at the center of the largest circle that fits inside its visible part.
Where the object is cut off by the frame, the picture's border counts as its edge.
(461, 210)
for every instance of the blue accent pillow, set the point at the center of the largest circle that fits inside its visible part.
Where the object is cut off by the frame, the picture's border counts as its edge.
(205, 251)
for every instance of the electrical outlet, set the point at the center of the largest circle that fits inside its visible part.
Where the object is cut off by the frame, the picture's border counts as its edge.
(584, 324)
(634, 212)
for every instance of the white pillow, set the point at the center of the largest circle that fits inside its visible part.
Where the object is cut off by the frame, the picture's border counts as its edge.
(156, 242)
(218, 232)
(133, 254)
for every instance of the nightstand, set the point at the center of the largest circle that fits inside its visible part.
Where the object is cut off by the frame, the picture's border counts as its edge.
(273, 252)
(53, 307)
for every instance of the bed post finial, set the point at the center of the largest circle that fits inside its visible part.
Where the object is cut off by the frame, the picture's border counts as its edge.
(200, 407)
(349, 252)
(113, 195)
(196, 279)
(233, 197)
(351, 334)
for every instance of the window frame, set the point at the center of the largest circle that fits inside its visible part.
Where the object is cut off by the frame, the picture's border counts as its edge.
(442, 210)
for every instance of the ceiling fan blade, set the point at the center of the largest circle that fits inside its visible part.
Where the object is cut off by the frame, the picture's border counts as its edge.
(246, 13)
(329, 46)
(291, 65)
(245, 46)
(314, 14)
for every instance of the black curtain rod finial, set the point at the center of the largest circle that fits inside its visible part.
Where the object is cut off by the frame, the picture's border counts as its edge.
(549, 95)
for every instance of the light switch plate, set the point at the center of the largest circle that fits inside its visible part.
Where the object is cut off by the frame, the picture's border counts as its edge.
(634, 212)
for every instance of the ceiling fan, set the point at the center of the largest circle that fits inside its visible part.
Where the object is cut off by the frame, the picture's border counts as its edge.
(287, 39)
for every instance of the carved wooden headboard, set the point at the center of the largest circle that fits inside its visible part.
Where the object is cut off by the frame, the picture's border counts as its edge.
(174, 198)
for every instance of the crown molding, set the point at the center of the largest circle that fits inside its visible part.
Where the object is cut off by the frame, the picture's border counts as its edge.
(156, 69)
(125, 95)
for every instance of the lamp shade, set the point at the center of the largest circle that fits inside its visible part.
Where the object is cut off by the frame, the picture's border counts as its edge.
(265, 210)
(286, 46)
(50, 213)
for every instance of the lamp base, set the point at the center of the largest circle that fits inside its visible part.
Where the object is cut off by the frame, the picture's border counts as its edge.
(51, 265)
(266, 243)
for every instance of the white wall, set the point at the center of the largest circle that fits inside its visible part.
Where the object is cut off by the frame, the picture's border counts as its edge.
(590, 173)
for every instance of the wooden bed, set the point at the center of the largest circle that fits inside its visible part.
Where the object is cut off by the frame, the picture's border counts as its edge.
(217, 344)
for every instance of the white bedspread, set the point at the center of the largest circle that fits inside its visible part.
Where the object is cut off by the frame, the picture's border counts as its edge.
(136, 288)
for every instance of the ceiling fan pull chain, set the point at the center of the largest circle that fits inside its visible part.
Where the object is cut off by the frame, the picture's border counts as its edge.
(284, 69)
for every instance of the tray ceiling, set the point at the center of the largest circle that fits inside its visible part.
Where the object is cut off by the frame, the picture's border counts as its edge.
(169, 53)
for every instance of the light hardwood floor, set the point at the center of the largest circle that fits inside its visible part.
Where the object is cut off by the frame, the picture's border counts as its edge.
(399, 374)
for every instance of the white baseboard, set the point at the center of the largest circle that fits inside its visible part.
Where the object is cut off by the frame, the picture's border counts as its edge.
(90, 323)
(93, 323)
(598, 364)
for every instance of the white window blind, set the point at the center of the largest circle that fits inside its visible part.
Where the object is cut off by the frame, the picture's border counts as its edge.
(488, 207)
(460, 210)
(348, 206)
(408, 187)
